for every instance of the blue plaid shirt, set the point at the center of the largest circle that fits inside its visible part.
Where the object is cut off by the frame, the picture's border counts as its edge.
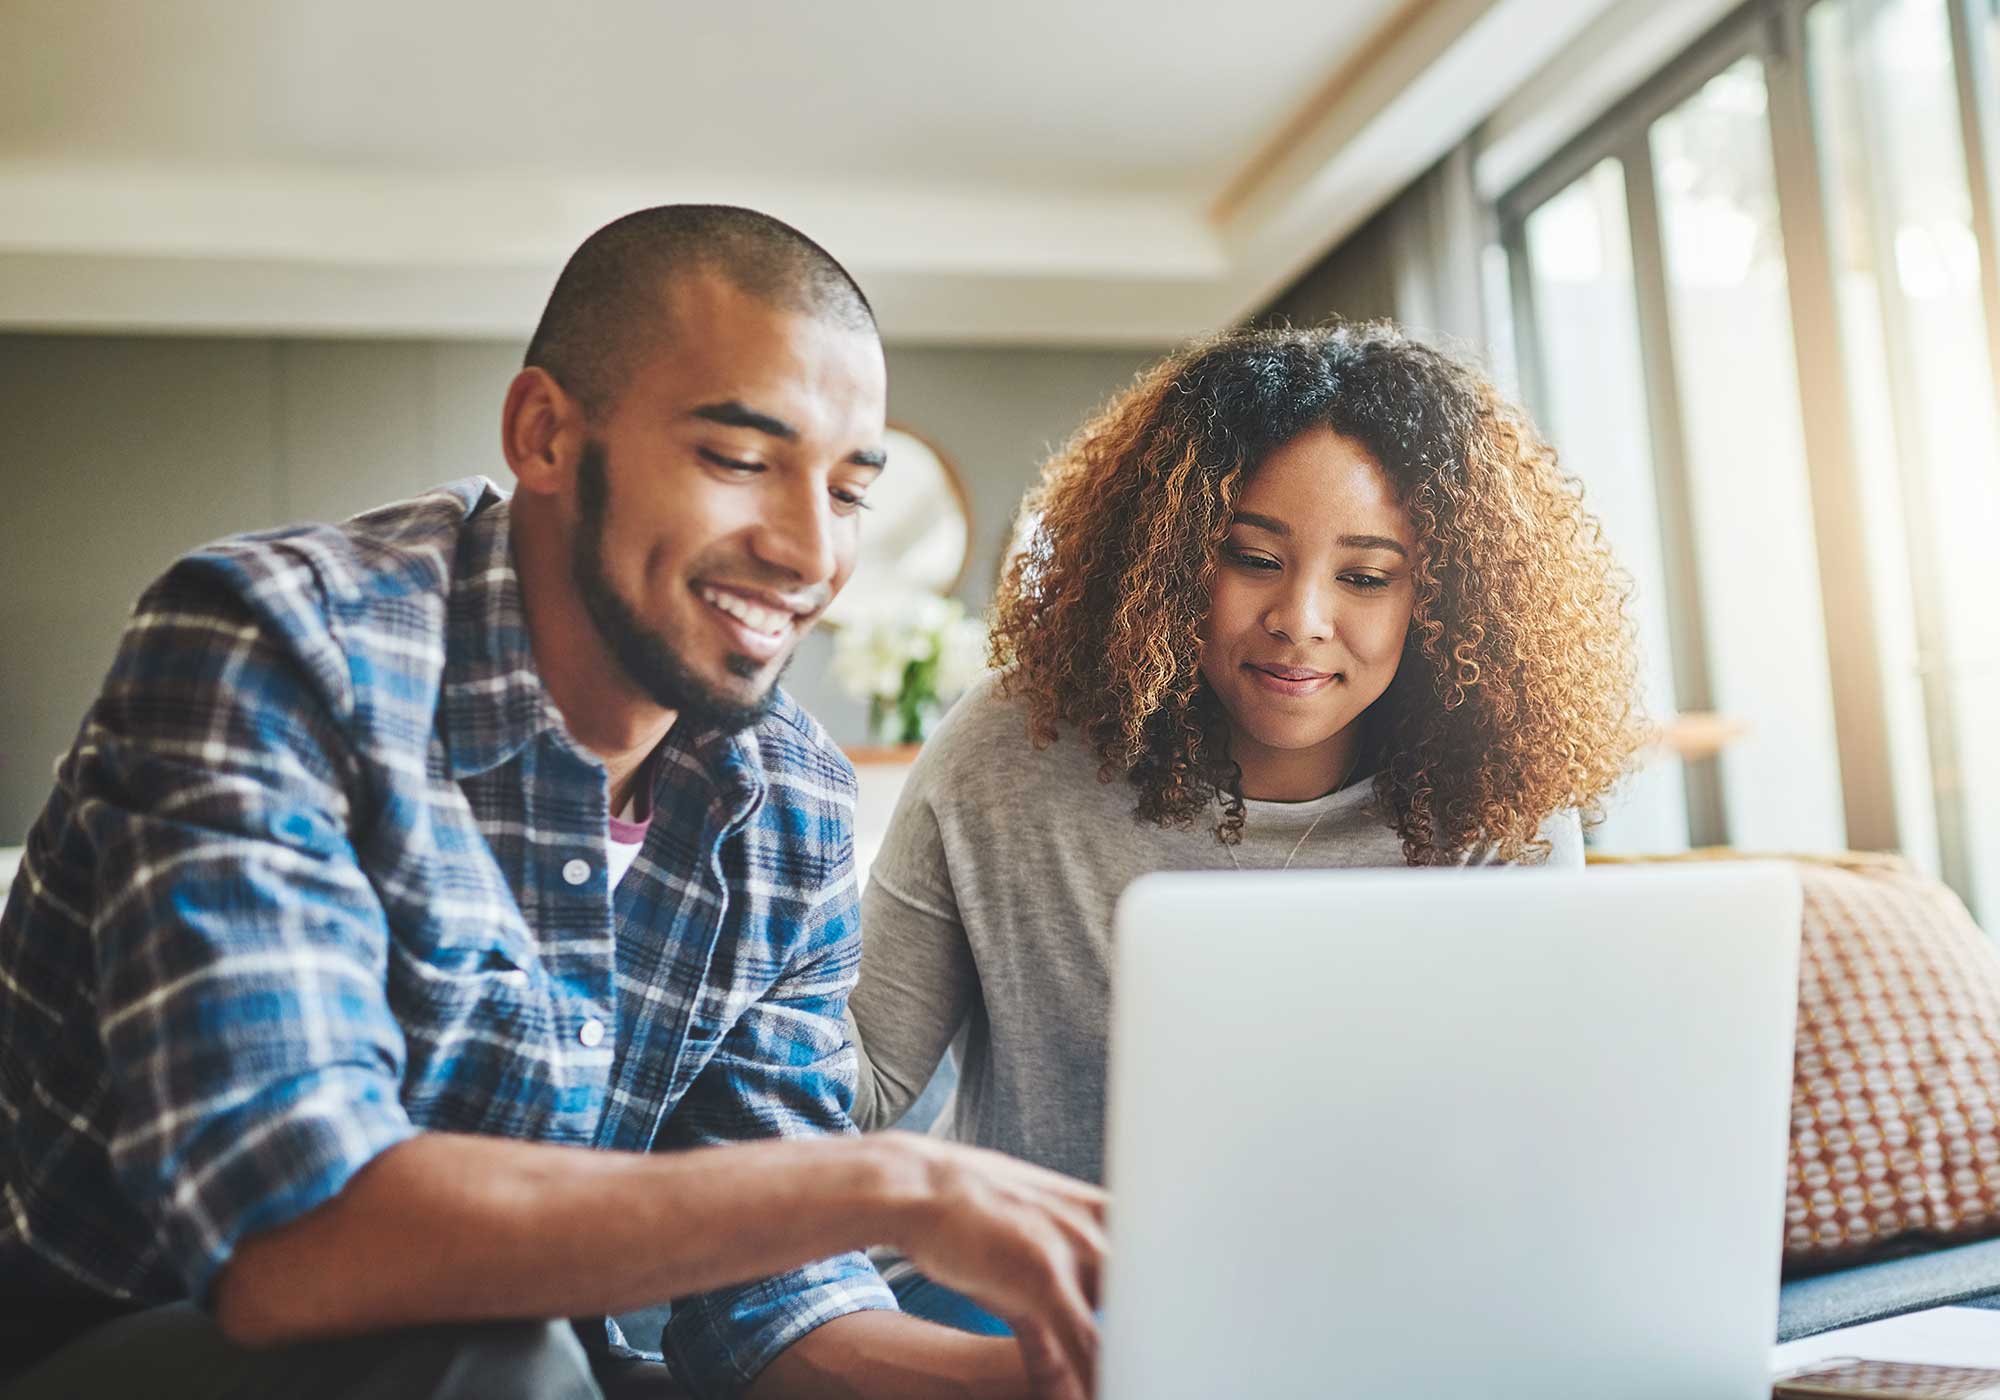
(324, 869)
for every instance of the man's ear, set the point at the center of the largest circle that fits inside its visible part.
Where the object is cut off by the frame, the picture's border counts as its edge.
(541, 432)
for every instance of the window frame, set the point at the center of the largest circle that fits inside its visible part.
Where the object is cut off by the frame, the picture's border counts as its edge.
(1774, 32)
(1973, 65)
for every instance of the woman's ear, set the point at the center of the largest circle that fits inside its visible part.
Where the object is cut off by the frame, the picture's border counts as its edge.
(541, 432)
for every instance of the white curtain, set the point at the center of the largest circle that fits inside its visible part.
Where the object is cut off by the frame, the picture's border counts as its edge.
(1416, 262)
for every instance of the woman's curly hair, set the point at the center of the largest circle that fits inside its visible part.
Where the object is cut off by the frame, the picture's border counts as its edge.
(1515, 694)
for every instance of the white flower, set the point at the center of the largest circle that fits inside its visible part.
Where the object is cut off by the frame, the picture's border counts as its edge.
(961, 657)
(867, 663)
(872, 656)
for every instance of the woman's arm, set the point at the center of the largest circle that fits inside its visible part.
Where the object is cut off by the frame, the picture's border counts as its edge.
(918, 979)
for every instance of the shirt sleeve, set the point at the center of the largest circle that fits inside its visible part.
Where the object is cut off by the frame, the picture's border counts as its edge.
(240, 950)
(784, 1070)
(1564, 833)
(918, 979)
(1563, 830)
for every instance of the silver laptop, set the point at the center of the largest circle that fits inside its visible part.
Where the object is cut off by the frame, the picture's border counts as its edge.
(1450, 1133)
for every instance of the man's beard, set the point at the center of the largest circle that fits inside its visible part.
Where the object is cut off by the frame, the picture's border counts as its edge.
(644, 655)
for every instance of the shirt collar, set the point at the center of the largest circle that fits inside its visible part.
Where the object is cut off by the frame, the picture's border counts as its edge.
(493, 701)
(728, 765)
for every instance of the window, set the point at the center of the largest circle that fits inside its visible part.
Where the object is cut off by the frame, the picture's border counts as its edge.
(1914, 335)
(1594, 407)
(1810, 172)
(1750, 503)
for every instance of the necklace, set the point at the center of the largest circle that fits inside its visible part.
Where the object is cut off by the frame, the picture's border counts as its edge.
(1304, 836)
(1295, 849)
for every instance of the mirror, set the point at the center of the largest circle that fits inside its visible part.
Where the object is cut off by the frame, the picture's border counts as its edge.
(916, 536)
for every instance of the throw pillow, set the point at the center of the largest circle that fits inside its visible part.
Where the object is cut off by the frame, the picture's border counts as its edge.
(1896, 1084)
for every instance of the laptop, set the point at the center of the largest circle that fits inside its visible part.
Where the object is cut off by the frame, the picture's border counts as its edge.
(1470, 1133)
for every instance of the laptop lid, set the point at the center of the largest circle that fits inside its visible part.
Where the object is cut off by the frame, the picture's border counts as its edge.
(1450, 1133)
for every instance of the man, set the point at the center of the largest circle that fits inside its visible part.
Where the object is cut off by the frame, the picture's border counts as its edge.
(426, 899)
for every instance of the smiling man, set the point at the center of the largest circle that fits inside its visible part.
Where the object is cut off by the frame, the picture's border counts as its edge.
(434, 906)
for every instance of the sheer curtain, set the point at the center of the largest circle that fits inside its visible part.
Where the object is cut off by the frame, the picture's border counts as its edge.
(1422, 262)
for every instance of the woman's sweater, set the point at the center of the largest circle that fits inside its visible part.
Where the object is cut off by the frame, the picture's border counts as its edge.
(989, 910)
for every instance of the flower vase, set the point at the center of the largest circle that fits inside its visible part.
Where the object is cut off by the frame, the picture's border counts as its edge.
(907, 719)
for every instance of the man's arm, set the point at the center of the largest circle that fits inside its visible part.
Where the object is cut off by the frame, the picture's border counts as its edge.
(240, 951)
(241, 957)
(892, 1356)
(447, 1228)
(786, 1069)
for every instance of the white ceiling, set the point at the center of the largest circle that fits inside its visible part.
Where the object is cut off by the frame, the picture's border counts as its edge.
(1130, 95)
(1052, 170)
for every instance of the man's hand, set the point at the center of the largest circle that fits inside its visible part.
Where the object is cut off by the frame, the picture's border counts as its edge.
(1026, 1243)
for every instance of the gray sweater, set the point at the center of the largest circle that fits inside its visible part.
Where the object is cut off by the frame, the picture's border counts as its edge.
(989, 911)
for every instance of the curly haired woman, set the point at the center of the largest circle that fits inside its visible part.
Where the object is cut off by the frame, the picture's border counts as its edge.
(1298, 598)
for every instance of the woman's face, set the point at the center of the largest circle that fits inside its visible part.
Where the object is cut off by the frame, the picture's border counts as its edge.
(1306, 618)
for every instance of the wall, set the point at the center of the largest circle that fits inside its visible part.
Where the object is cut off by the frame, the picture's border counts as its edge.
(122, 452)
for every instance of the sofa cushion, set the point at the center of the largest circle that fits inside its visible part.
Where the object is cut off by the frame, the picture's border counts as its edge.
(1896, 1084)
(1966, 1276)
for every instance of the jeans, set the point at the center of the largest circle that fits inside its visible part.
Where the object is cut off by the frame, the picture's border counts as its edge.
(178, 1353)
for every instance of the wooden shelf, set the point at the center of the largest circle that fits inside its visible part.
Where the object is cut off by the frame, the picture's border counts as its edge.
(860, 754)
(1698, 734)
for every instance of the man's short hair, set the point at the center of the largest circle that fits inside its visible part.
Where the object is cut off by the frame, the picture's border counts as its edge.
(610, 303)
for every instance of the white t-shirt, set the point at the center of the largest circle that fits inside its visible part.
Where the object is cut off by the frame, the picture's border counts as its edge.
(626, 834)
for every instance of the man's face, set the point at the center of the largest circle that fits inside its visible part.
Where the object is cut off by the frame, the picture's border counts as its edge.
(719, 500)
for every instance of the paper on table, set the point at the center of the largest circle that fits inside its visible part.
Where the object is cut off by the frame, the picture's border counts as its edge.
(1940, 1336)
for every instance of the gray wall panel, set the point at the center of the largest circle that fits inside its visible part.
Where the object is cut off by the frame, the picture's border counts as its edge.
(125, 451)
(121, 454)
(355, 420)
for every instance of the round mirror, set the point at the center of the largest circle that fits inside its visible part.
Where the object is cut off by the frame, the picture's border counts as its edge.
(916, 535)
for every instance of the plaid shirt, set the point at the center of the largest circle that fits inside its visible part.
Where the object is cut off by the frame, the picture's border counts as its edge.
(325, 869)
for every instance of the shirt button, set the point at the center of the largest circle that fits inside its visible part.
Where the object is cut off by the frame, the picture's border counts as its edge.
(576, 871)
(591, 1032)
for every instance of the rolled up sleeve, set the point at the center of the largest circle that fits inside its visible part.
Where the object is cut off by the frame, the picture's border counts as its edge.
(240, 950)
(786, 1069)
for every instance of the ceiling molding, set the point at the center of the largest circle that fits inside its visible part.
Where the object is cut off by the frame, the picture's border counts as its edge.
(1379, 127)
(292, 252)
(298, 249)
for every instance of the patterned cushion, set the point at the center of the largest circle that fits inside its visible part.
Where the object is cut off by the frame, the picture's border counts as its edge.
(1896, 1087)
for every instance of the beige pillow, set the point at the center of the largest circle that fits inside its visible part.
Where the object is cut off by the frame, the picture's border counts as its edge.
(1896, 1086)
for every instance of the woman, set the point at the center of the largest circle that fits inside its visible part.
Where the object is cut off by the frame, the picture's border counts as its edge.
(1296, 599)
